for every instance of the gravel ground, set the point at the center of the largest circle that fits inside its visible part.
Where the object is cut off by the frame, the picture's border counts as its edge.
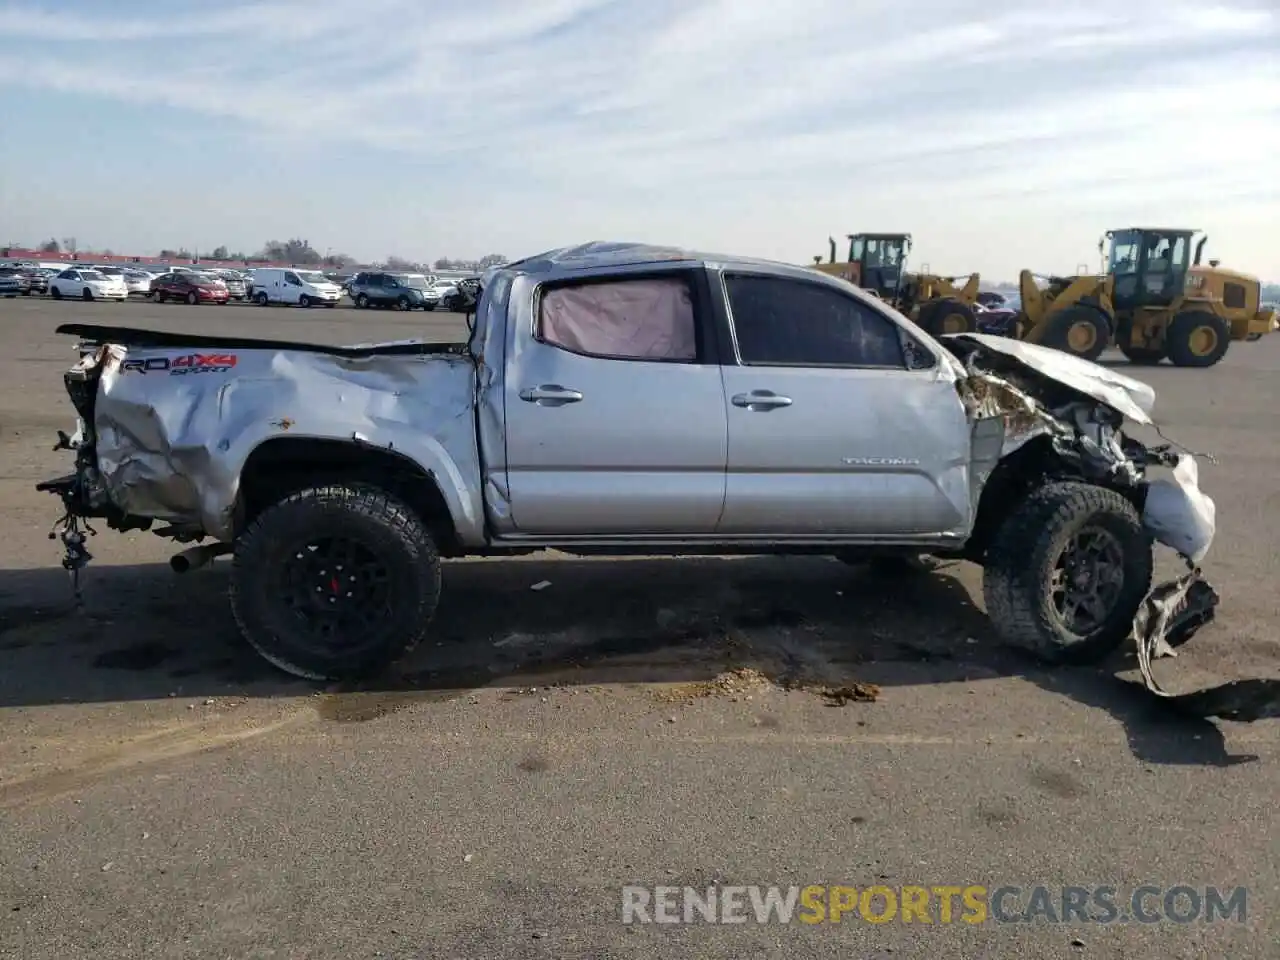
(636, 722)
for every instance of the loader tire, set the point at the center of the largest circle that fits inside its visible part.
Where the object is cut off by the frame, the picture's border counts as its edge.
(1080, 331)
(335, 582)
(1142, 356)
(947, 316)
(1028, 594)
(1197, 338)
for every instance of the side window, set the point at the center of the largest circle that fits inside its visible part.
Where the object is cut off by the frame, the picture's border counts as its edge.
(68, 275)
(641, 319)
(794, 323)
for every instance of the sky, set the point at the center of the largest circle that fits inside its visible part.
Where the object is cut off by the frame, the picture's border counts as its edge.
(1000, 134)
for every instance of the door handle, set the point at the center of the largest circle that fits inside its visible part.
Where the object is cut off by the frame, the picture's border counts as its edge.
(550, 395)
(760, 400)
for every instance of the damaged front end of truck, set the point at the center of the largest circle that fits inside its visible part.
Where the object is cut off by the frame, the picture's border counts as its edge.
(1064, 421)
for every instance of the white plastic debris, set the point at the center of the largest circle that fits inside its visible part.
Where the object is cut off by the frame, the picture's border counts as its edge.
(1178, 513)
(541, 585)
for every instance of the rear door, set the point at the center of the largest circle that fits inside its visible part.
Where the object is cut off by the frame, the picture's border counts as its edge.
(615, 414)
(841, 422)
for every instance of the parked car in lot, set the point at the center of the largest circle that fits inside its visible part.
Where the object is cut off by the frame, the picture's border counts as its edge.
(14, 282)
(39, 277)
(137, 282)
(303, 288)
(464, 296)
(622, 398)
(404, 291)
(192, 288)
(87, 284)
(235, 283)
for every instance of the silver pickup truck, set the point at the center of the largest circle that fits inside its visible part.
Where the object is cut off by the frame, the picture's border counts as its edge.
(617, 398)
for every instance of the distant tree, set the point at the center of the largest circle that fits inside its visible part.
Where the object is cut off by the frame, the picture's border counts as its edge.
(443, 263)
(167, 254)
(291, 251)
(338, 261)
(51, 246)
(402, 265)
(69, 245)
(492, 260)
(219, 253)
(107, 252)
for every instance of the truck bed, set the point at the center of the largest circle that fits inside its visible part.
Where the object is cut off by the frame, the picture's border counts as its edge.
(158, 339)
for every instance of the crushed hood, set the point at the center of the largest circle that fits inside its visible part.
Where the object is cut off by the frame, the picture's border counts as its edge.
(1132, 398)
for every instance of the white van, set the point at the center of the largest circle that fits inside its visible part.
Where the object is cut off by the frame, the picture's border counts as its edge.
(288, 285)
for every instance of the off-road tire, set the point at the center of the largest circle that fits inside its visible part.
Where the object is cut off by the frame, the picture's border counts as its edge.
(1059, 327)
(1021, 560)
(935, 316)
(379, 522)
(1143, 357)
(1177, 338)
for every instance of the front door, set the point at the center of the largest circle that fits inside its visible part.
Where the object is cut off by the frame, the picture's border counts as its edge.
(615, 425)
(831, 431)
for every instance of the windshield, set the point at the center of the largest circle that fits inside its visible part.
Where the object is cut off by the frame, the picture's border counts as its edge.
(311, 276)
(111, 271)
(884, 253)
(1126, 247)
(417, 282)
(91, 275)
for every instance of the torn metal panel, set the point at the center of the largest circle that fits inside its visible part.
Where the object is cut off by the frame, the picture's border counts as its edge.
(1168, 617)
(1132, 398)
(174, 427)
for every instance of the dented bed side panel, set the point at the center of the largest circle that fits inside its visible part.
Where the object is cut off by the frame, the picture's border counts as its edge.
(174, 428)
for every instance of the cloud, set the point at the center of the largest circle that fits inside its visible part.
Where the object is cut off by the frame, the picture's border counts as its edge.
(785, 123)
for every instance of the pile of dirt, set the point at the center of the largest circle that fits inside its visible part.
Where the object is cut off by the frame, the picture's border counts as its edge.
(735, 683)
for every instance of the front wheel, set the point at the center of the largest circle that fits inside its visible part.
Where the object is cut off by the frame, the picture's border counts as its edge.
(304, 301)
(1067, 572)
(403, 304)
(87, 294)
(192, 298)
(948, 316)
(1079, 330)
(335, 582)
(55, 293)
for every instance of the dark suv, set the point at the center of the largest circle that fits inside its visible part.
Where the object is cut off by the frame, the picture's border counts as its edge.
(400, 290)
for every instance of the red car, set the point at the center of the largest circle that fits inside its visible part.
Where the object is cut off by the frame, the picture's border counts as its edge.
(191, 287)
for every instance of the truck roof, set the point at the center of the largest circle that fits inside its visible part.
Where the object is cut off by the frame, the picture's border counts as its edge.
(603, 254)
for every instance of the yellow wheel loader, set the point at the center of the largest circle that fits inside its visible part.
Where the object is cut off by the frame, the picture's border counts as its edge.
(1167, 305)
(1155, 301)
(876, 263)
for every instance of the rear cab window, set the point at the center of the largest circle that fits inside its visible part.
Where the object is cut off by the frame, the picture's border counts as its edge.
(655, 318)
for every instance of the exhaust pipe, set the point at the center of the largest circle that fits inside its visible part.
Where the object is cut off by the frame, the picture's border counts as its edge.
(194, 558)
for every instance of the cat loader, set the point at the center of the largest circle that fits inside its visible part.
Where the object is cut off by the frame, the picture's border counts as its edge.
(1155, 301)
(877, 262)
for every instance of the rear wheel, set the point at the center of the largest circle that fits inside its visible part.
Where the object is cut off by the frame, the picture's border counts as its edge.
(1079, 330)
(1067, 572)
(947, 316)
(261, 299)
(1197, 338)
(362, 302)
(335, 582)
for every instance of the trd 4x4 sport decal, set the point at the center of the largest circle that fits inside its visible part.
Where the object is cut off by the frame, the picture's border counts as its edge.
(180, 366)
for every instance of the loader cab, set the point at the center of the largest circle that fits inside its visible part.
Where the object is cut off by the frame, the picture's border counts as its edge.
(877, 261)
(1148, 267)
